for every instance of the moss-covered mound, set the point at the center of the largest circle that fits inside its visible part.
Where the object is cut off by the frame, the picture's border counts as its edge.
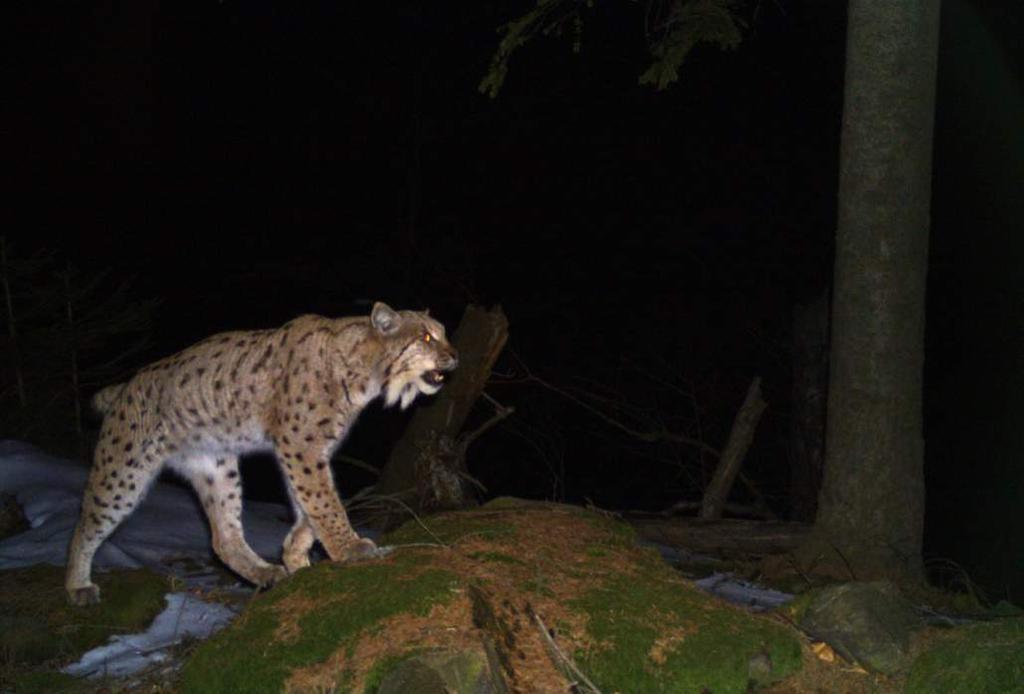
(308, 629)
(978, 658)
(37, 624)
(39, 630)
(540, 588)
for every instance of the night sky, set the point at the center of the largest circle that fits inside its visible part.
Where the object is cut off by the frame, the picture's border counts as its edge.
(246, 162)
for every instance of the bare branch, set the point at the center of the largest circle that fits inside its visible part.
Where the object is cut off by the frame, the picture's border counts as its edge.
(501, 412)
(648, 436)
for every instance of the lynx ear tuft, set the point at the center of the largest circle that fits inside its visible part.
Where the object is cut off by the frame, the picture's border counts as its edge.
(384, 318)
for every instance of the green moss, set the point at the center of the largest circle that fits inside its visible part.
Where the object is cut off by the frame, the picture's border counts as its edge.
(345, 680)
(618, 532)
(32, 682)
(650, 630)
(538, 585)
(497, 557)
(449, 528)
(711, 649)
(648, 559)
(979, 658)
(507, 503)
(796, 608)
(37, 624)
(383, 666)
(249, 655)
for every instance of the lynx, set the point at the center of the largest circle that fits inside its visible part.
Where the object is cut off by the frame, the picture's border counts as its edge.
(295, 391)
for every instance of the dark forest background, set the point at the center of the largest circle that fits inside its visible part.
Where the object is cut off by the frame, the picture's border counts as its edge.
(240, 163)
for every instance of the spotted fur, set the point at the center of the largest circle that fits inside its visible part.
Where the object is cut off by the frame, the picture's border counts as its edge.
(296, 391)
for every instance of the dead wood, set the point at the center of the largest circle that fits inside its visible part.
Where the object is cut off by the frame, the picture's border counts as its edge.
(740, 438)
(662, 435)
(730, 538)
(430, 446)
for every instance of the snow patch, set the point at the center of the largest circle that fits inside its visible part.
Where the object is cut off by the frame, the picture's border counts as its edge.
(743, 593)
(185, 616)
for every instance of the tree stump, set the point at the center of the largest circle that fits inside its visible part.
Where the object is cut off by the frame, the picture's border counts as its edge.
(426, 468)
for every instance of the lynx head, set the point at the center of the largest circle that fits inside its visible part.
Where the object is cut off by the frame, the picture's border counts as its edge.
(418, 354)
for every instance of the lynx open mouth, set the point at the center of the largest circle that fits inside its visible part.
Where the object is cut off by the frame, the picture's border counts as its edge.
(434, 377)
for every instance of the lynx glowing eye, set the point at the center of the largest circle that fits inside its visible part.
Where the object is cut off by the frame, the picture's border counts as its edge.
(427, 337)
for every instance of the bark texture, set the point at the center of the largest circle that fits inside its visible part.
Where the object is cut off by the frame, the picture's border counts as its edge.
(871, 509)
(807, 418)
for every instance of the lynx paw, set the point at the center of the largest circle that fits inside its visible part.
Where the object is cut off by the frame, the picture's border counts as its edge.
(362, 548)
(267, 576)
(295, 561)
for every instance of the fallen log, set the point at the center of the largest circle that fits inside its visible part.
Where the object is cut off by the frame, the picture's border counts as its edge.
(728, 538)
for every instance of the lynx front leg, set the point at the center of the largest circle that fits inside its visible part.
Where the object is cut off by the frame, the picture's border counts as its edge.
(319, 513)
(219, 488)
(299, 540)
(324, 518)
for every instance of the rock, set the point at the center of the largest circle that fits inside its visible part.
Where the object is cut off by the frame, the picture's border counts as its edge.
(759, 669)
(867, 623)
(445, 672)
(987, 657)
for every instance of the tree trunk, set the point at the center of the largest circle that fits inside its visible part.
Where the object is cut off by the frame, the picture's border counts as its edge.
(871, 509)
(807, 415)
(479, 339)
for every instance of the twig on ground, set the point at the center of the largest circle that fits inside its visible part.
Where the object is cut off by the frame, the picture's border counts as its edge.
(563, 661)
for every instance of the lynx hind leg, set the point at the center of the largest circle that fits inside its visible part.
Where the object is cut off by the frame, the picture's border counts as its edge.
(217, 483)
(78, 580)
(116, 485)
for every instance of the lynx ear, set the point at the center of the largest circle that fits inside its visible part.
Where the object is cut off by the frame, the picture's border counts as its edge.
(384, 318)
